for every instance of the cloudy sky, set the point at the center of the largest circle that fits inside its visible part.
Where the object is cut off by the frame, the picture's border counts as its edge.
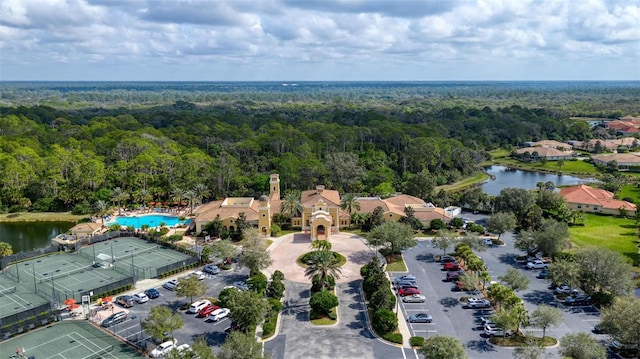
(296, 40)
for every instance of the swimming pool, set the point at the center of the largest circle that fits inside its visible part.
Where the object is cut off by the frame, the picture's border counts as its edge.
(153, 220)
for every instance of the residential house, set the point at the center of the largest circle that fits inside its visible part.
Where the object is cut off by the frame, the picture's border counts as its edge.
(594, 200)
(550, 153)
(624, 160)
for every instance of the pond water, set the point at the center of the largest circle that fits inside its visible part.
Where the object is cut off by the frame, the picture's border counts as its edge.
(24, 236)
(512, 178)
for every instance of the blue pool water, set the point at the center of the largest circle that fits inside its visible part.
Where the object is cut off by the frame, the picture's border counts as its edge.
(153, 220)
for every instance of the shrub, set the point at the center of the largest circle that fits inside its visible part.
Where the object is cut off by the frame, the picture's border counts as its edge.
(456, 222)
(277, 275)
(383, 298)
(174, 238)
(436, 224)
(384, 321)
(393, 337)
(81, 208)
(275, 289)
(323, 302)
(275, 230)
(269, 327)
(258, 282)
(223, 297)
(416, 341)
(275, 304)
(315, 283)
(602, 299)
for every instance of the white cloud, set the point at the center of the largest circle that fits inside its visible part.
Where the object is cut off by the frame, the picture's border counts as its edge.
(318, 39)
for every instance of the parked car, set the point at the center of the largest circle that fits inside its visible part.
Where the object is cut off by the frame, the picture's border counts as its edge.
(211, 269)
(478, 303)
(487, 241)
(578, 299)
(451, 266)
(163, 349)
(543, 274)
(406, 277)
(405, 283)
(487, 321)
(152, 293)
(183, 348)
(452, 276)
(493, 331)
(219, 314)
(204, 312)
(446, 259)
(599, 329)
(196, 306)
(114, 318)
(170, 285)
(537, 264)
(241, 285)
(617, 346)
(140, 298)
(414, 298)
(420, 318)
(565, 289)
(126, 301)
(405, 291)
(198, 274)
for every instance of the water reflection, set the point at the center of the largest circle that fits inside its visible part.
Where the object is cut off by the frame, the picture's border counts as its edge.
(506, 177)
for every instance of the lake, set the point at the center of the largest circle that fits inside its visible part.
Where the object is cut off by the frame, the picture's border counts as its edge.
(512, 178)
(24, 236)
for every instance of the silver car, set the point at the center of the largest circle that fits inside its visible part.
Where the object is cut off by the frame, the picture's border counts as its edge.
(414, 298)
(420, 318)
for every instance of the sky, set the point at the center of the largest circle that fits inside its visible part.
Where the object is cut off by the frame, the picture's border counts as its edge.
(319, 40)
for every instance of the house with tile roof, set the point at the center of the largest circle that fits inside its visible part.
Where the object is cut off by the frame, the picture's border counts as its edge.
(321, 213)
(550, 153)
(548, 144)
(594, 200)
(624, 160)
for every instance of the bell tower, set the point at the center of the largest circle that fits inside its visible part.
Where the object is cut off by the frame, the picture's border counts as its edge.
(274, 187)
(264, 216)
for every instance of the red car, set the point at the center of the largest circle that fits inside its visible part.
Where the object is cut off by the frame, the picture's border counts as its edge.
(207, 310)
(408, 291)
(451, 266)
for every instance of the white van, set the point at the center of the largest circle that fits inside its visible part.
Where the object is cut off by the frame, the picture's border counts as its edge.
(196, 306)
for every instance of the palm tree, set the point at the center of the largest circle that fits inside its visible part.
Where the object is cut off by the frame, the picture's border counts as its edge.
(178, 194)
(291, 205)
(323, 265)
(350, 204)
(118, 195)
(143, 196)
(200, 190)
(191, 196)
(101, 209)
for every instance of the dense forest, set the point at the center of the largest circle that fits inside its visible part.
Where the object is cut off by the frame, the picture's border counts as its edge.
(211, 143)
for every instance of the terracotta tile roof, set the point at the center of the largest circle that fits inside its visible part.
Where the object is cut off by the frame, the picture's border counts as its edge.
(87, 227)
(626, 141)
(397, 203)
(310, 197)
(621, 158)
(368, 204)
(544, 151)
(428, 216)
(213, 209)
(583, 194)
(550, 144)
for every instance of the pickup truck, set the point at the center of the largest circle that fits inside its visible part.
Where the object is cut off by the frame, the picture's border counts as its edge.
(537, 264)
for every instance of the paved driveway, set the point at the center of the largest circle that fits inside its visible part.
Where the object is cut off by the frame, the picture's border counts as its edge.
(348, 339)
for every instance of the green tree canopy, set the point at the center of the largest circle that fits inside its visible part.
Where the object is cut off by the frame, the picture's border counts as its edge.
(162, 320)
(395, 236)
(443, 347)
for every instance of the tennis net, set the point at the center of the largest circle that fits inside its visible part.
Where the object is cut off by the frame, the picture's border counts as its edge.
(98, 354)
(62, 274)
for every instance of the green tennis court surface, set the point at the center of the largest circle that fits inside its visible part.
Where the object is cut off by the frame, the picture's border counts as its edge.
(68, 340)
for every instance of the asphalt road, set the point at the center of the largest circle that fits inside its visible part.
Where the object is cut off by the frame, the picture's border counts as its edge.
(194, 326)
(450, 318)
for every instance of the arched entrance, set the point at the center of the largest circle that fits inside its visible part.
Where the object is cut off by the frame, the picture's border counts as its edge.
(320, 232)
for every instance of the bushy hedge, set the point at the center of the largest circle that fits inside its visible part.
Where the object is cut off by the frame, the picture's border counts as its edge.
(416, 341)
(393, 337)
(384, 321)
(258, 282)
(275, 289)
(323, 302)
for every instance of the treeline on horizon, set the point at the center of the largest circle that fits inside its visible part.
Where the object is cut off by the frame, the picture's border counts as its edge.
(61, 159)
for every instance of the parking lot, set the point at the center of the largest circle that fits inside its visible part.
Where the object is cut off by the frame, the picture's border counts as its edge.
(194, 326)
(449, 316)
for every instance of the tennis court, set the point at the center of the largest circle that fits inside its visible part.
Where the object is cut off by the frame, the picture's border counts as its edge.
(137, 257)
(66, 340)
(16, 299)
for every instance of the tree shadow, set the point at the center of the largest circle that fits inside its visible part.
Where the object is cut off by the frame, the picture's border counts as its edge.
(538, 297)
(361, 257)
(212, 338)
(450, 302)
(482, 346)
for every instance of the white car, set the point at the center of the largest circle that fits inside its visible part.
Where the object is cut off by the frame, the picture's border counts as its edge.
(414, 298)
(163, 349)
(493, 331)
(170, 285)
(140, 298)
(198, 274)
(537, 264)
(565, 289)
(478, 303)
(183, 348)
(219, 314)
(196, 306)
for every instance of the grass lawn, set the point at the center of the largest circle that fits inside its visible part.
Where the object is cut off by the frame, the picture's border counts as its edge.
(395, 263)
(521, 340)
(41, 217)
(464, 183)
(614, 233)
(570, 167)
(629, 191)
